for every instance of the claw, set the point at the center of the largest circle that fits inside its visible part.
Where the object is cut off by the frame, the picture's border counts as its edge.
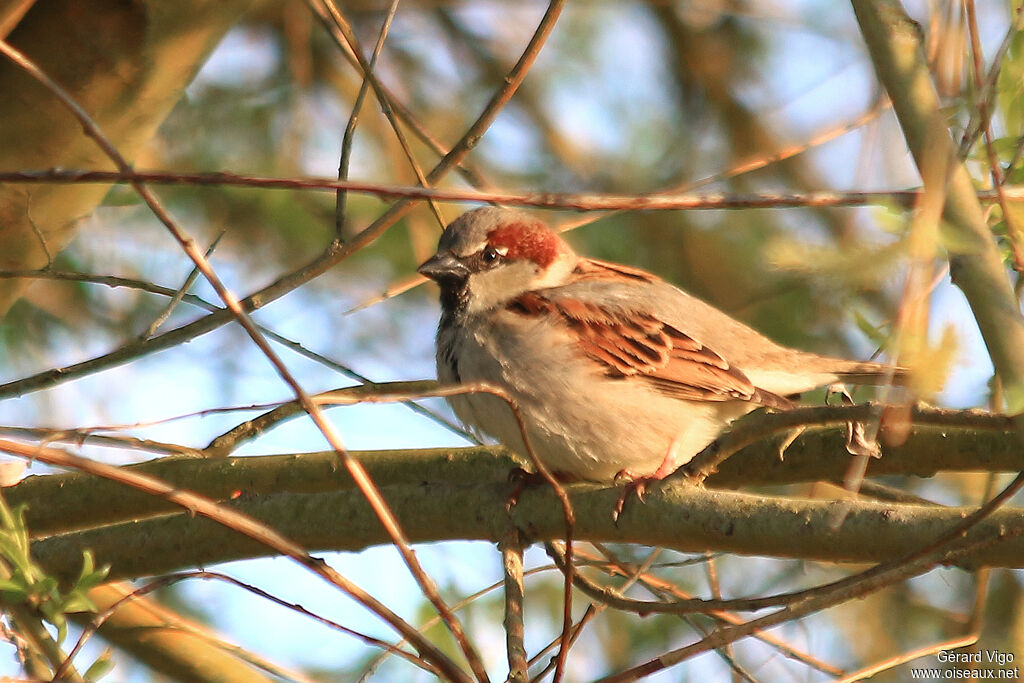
(638, 482)
(521, 480)
(857, 441)
(524, 479)
(630, 484)
(788, 440)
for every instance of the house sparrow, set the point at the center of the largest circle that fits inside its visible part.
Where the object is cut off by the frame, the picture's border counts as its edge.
(616, 373)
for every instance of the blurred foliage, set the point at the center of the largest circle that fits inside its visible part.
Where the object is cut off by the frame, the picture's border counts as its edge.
(591, 117)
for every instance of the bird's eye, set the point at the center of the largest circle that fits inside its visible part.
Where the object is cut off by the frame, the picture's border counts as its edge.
(490, 254)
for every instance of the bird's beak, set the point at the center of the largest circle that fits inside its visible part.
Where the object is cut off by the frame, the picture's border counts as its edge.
(444, 266)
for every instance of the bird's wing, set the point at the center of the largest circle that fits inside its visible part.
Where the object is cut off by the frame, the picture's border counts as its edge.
(635, 344)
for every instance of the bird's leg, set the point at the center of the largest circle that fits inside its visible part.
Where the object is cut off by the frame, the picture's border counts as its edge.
(857, 442)
(838, 389)
(637, 483)
(787, 441)
(522, 479)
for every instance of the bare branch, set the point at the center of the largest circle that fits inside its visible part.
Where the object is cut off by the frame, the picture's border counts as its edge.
(591, 201)
(238, 523)
(512, 561)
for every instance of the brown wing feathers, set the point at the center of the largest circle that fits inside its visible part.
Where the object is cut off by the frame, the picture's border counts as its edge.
(638, 344)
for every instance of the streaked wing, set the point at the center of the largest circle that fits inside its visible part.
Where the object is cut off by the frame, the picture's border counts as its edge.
(637, 344)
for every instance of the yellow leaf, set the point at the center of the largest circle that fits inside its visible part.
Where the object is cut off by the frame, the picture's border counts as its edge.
(930, 365)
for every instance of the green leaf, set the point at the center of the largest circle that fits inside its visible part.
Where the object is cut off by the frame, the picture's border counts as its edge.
(58, 620)
(1004, 148)
(28, 584)
(891, 218)
(100, 667)
(11, 585)
(90, 576)
(88, 564)
(78, 602)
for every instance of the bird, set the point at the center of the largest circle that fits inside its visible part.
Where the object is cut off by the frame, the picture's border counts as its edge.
(617, 374)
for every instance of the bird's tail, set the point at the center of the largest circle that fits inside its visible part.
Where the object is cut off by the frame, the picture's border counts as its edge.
(867, 372)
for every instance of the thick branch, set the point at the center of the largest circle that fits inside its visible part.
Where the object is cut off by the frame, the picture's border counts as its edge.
(675, 515)
(67, 502)
(941, 440)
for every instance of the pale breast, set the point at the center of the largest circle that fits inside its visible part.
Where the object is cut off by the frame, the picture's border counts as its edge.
(579, 420)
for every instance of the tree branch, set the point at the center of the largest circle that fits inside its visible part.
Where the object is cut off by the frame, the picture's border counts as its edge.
(941, 440)
(583, 201)
(674, 515)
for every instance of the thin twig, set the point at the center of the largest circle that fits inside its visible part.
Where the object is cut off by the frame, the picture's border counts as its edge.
(567, 512)
(590, 201)
(319, 265)
(466, 143)
(893, 662)
(350, 129)
(954, 541)
(168, 622)
(698, 605)
(245, 525)
(433, 621)
(97, 622)
(658, 586)
(390, 104)
(80, 435)
(593, 610)
(355, 468)
(716, 592)
(988, 88)
(232, 439)
(143, 347)
(181, 292)
(1013, 230)
(114, 282)
(812, 604)
(745, 166)
(392, 291)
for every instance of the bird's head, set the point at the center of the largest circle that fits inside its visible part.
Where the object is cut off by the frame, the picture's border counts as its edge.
(488, 256)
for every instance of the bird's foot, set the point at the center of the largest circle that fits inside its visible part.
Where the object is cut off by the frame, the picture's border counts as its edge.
(857, 440)
(522, 480)
(637, 483)
(631, 484)
(638, 486)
